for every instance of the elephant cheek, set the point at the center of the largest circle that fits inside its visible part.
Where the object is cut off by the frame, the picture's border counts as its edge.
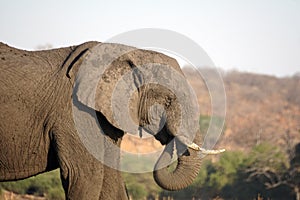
(156, 118)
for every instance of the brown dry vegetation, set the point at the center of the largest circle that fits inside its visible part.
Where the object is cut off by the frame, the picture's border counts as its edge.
(12, 196)
(260, 108)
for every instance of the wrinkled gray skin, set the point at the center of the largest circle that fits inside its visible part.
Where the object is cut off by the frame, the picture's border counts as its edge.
(38, 134)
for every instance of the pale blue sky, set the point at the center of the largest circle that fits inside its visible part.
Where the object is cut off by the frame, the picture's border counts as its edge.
(260, 36)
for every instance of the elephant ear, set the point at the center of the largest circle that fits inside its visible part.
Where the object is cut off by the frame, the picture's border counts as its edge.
(76, 56)
(111, 80)
(105, 82)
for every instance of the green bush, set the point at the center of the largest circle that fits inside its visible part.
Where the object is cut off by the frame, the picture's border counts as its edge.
(229, 178)
(205, 121)
(56, 193)
(267, 155)
(47, 184)
(141, 186)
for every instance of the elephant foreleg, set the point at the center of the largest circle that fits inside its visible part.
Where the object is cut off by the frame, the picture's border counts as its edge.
(82, 182)
(81, 173)
(113, 185)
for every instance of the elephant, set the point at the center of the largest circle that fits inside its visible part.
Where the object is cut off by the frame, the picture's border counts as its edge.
(38, 131)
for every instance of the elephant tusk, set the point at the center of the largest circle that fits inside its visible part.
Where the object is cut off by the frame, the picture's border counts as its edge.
(205, 151)
(194, 146)
(211, 152)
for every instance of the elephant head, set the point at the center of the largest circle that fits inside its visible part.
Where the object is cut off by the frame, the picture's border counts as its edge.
(140, 89)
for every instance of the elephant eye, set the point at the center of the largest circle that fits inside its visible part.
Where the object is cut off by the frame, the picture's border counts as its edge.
(168, 101)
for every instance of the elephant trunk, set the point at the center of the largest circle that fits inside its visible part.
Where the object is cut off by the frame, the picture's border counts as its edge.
(188, 166)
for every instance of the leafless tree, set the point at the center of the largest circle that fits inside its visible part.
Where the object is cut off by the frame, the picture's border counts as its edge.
(274, 178)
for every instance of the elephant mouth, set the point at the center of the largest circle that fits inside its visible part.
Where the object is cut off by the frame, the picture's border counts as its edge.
(164, 137)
